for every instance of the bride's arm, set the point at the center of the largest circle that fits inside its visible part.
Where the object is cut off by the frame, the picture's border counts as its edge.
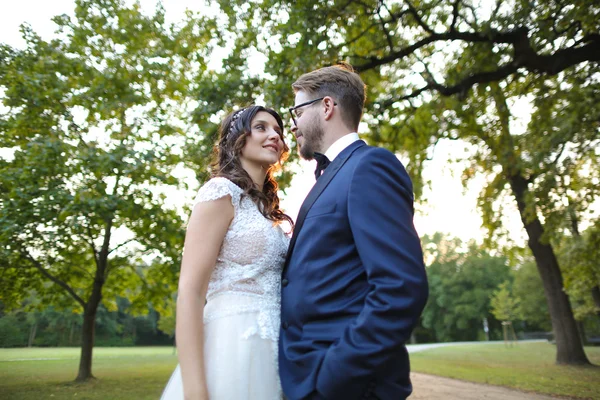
(205, 233)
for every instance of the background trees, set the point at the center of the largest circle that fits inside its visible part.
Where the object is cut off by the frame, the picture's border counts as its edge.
(103, 119)
(53, 327)
(458, 70)
(462, 278)
(93, 120)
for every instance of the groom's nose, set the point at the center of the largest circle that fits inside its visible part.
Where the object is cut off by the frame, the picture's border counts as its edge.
(294, 129)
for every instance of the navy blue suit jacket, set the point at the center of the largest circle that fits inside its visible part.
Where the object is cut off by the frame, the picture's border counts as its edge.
(354, 283)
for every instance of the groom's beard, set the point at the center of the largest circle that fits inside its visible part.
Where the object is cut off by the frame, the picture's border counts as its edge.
(312, 136)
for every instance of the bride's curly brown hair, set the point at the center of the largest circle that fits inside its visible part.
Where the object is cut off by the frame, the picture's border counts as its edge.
(232, 139)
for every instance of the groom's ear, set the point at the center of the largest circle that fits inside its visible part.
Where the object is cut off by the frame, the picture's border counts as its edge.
(328, 107)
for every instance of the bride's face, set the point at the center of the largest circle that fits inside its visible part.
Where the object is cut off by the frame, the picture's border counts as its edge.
(264, 145)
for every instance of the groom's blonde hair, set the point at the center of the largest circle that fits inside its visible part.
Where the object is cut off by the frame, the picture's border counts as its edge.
(340, 82)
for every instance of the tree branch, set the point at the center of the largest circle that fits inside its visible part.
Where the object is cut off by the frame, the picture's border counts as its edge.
(121, 245)
(91, 243)
(54, 279)
(394, 19)
(473, 13)
(494, 37)
(496, 9)
(559, 32)
(460, 88)
(454, 15)
(560, 60)
(417, 17)
(354, 39)
(103, 255)
(382, 23)
(524, 56)
(429, 75)
(563, 145)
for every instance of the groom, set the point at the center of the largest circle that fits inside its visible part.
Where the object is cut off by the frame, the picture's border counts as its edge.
(354, 284)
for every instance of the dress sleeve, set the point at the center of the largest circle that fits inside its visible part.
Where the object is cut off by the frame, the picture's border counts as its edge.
(217, 188)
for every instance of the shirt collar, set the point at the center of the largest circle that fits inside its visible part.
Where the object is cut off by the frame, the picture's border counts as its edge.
(339, 145)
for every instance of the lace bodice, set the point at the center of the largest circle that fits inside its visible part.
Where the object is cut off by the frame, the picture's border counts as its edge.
(250, 260)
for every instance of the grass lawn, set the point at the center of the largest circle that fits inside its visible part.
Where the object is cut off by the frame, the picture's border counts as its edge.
(123, 373)
(526, 366)
(142, 372)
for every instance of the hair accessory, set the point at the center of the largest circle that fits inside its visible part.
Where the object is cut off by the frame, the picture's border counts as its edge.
(233, 119)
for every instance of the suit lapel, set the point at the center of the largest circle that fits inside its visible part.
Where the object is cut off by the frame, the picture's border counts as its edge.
(317, 189)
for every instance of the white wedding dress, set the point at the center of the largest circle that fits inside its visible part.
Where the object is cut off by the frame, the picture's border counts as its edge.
(241, 317)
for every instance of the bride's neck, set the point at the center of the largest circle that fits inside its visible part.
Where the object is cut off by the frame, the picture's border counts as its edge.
(257, 173)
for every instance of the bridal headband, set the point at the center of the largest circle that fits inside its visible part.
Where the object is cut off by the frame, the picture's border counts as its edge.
(233, 119)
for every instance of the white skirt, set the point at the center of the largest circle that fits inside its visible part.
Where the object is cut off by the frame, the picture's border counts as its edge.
(240, 363)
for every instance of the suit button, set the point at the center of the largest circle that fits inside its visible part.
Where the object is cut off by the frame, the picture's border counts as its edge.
(285, 325)
(284, 282)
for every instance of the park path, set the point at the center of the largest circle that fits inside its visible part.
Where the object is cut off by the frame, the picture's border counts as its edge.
(429, 387)
(413, 348)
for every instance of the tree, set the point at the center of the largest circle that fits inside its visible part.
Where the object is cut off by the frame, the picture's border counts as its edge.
(527, 286)
(58, 328)
(580, 255)
(167, 321)
(10, 334)
(93, 119)
(506, 308)
(167, 325)
(526, 170)
(461, 281)
(414, 55)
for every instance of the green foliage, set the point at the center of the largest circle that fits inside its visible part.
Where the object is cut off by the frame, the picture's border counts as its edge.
(580, 257)
(93, 119)
(166, 324)
(50, 327)
(505, 305)
(166, 321)
(410, 53)
(461, 282)
(527, 286)
(96, 120)
(10, 334)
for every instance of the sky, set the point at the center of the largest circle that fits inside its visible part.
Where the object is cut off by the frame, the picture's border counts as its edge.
(450, 208)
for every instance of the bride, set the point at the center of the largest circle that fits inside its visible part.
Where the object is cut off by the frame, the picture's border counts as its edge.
(228, 297)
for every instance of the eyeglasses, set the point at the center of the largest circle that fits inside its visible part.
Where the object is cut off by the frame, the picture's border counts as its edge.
(293, 109)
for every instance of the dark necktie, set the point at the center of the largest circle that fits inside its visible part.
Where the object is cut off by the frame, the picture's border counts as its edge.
(322, 163)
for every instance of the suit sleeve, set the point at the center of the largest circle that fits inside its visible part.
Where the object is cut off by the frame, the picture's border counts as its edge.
(380, 212)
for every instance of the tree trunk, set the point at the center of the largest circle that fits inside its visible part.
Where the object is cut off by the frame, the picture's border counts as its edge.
(569, 349)
(88, 329)
(32, 333)
(87, 345)
(89, 313)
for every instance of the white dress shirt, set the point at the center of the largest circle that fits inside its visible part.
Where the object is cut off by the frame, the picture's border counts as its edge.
(339, 145)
